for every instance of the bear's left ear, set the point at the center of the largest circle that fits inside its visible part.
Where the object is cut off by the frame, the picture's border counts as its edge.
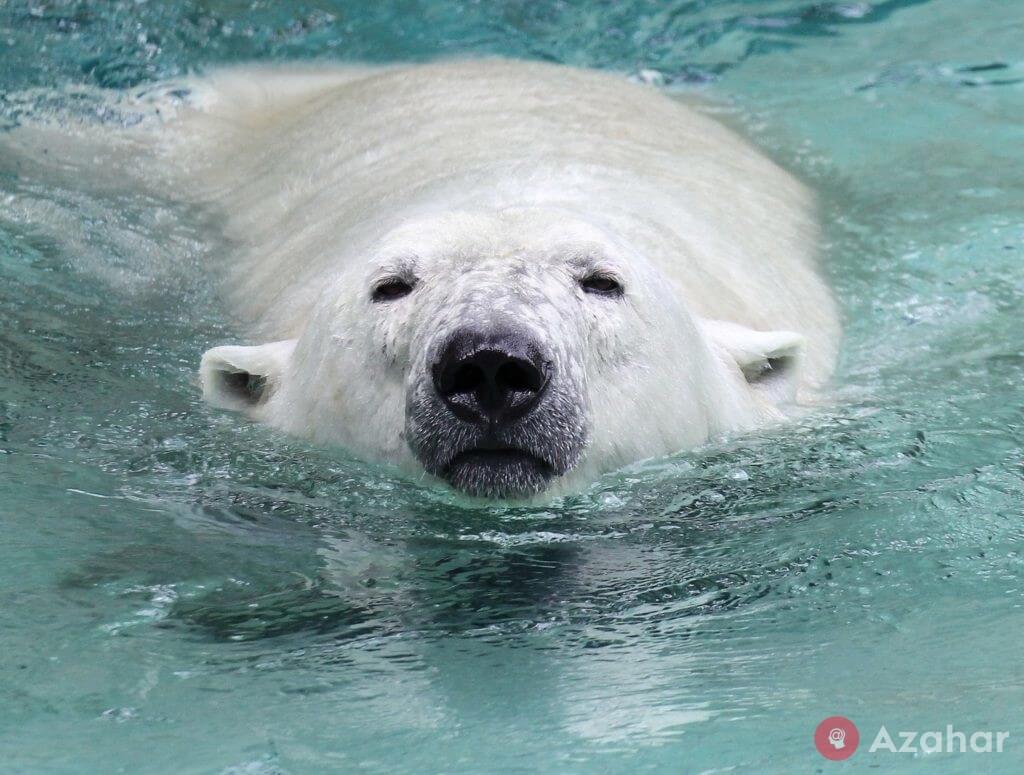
(241, 378)
(769, 360)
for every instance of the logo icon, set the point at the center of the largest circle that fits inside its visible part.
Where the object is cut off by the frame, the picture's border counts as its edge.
(836, 738)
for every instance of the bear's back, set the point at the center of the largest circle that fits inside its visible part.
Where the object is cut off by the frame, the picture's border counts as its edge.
(311, 166)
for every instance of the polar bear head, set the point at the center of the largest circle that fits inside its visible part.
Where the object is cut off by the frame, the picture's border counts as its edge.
(506, 353)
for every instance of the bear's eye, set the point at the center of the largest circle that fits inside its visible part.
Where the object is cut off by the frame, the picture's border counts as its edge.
(391, 289)
(601, 284)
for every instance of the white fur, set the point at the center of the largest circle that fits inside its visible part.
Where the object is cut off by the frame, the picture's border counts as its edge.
(492, 176)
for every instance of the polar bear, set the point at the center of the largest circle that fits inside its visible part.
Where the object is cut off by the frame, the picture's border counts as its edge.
(509, 276)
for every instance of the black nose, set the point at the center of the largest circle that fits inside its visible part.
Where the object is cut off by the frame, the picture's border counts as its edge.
(493, 377)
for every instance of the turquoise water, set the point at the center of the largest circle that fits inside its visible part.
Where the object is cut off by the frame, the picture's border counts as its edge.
(183, 591)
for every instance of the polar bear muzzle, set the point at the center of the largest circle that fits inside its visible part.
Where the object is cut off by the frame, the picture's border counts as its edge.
(491, 377)
(499, 417)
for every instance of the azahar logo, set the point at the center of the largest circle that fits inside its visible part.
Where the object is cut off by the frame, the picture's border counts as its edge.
(836, 738)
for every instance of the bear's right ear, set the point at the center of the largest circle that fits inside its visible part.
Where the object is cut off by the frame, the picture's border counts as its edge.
(240, 378)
